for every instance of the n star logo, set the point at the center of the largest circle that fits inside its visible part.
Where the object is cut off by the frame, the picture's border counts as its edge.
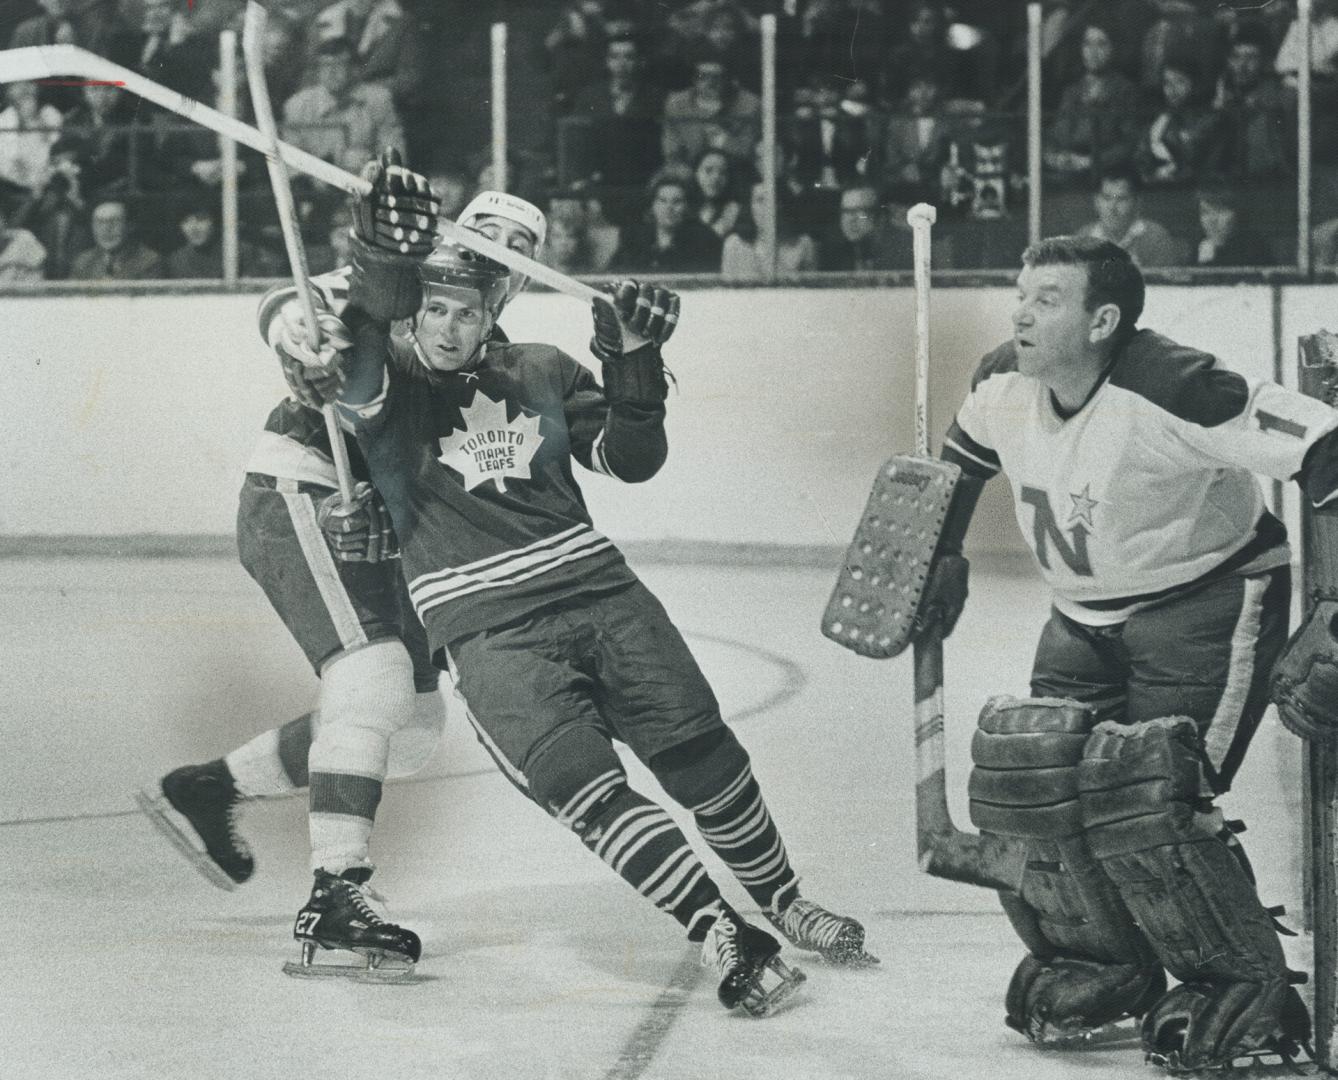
(1083, 505)
(491, 447)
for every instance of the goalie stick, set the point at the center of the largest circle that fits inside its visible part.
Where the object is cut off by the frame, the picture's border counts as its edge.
(70, 61)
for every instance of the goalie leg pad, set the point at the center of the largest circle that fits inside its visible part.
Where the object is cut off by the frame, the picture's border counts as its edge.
(1139, 790)
(1088, 964)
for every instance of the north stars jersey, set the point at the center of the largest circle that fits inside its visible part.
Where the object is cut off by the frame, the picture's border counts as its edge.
(476, 471)
(1150, 485)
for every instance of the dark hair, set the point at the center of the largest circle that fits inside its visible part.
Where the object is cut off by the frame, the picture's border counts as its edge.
(1112, 277)
(1255, 33)
(1120, 172)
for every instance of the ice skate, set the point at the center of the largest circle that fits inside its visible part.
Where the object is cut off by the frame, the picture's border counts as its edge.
(742, 955)
(339, 917)
(838, 939)
(196, 808)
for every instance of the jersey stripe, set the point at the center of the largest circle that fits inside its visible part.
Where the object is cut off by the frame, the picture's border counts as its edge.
(1221, 733)
(322, 565)
(430, 591)
(973, 457)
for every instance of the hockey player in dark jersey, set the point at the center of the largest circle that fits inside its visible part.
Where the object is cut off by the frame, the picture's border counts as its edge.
(344, 601)
(1132, 462)
(552, 642)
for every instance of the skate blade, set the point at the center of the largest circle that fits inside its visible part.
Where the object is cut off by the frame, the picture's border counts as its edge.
(1056, 1037)
(378, 968)
(1266, 1061)
(159, 811)
(850, 959)
(766, 1001)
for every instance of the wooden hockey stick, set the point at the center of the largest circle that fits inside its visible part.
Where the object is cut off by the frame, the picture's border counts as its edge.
(943, 849)
(253, 43)
(56, 61)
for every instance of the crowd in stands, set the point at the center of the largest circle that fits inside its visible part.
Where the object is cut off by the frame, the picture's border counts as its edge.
(637, 123)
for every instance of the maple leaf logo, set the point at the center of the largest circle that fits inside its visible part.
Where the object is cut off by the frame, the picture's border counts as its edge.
(491, 447)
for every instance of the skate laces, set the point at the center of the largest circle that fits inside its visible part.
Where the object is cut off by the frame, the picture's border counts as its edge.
(355, 894)
(810, 926)
(721, 947)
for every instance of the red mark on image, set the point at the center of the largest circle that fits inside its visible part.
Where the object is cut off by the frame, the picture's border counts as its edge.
(80, 82)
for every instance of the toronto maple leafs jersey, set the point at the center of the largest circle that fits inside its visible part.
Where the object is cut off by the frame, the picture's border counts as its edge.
(1151, 485)
(476, 471)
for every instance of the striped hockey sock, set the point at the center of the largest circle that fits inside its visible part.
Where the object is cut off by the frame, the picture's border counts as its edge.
(641, 842)
(738, 827)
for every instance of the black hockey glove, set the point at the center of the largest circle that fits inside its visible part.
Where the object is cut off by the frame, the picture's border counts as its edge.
(1305, 677)
(630, 327)
(359, 531)
(394, 229)
(944, 594)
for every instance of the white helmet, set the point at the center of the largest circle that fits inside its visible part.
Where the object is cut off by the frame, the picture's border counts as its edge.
(510, 208)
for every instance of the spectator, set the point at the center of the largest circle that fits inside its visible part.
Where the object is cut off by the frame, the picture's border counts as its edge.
(714, 111)
(1324, 245)
(670, 239)
(747, 251)
(1183, 31)
(57, 215)
(926, 54)
(1096, 125)
(915, 143)
(286, 59)
(1227, 241)
(201, 254)
(863, 240)
(1258, 110)
(27, 131)
(849, 39)
(103, 141)
(567, 248)
(602, 236)
(165, 50)
(116, 255)
(574, 47)
(343, 121)
(714, 192)
(613, 136)
(452, 187)
(1323, 45)
(22, 257)
(1184, 139)
(830, 148)
(54, 26)
(376, 30)
(1118, 220)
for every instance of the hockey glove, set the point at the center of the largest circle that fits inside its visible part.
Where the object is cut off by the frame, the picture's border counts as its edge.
(630, 327)
(394, 229)
(314, 378)
(944, 595)
(361, 530)
(1305, 678)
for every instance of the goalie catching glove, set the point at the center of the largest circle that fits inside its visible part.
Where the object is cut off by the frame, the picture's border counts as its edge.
(394, 229)
(1305, 678)
(630, 326)
(360, 530)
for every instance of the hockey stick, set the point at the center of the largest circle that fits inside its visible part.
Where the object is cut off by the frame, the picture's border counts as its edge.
(53, 61)
(253, 38)
(943, 849)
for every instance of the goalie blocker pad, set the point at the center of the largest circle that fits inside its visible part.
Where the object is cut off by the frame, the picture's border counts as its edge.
(1139, 790)
(872, 610)
(1088, 963)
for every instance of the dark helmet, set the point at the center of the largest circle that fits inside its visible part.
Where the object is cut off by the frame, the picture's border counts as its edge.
(455, 266)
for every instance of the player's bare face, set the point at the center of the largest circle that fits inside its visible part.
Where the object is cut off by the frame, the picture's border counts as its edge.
(512, 236)
(1052, 327)
(451, 329)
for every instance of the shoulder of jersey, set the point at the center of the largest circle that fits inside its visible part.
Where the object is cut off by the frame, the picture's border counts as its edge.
(999, 361)
(1187, 383)
(332, 289)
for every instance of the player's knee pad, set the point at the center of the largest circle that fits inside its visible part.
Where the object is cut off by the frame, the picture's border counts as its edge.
(411, 747)
(697, 772)
(366, 696)
(1088, 963)
(1139, 789)
(576, 777)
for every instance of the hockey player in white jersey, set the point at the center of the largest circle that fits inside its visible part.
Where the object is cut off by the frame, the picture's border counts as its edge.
(1132, 461)
(332, 573)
